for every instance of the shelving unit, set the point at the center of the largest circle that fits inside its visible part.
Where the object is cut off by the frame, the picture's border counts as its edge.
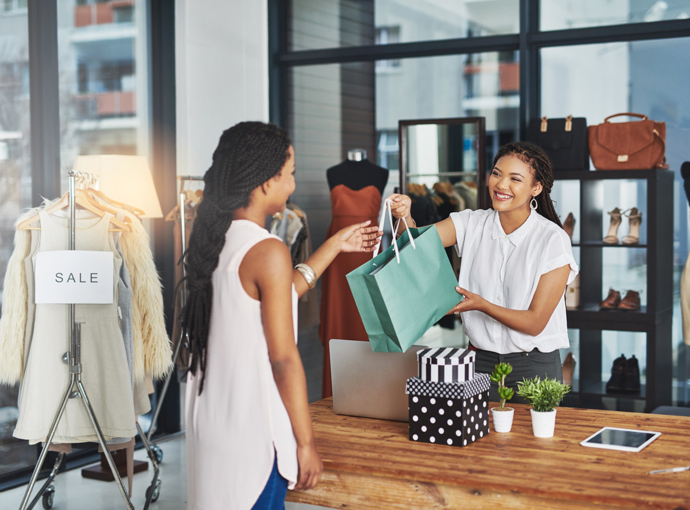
(654, 319)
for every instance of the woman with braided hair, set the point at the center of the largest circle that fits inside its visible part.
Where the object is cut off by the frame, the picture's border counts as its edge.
(249, 432)
(516, 263)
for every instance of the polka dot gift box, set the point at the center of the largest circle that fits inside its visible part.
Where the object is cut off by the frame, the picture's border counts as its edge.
(453, 414)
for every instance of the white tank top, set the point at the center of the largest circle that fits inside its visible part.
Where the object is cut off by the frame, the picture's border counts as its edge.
(234, 426)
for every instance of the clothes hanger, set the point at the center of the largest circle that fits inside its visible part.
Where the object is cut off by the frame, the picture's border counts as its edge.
(103, 196)
(81, 201)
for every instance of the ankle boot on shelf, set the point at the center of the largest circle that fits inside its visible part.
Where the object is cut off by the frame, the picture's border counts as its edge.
(611, 301)
(612, 236)
(635, 218)
(631, 301)
(572, 294)
(631, 377)
(617, 381)
(569, 369)
(569, 225)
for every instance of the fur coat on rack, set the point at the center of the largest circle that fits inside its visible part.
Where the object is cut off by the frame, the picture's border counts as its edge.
(152, 350)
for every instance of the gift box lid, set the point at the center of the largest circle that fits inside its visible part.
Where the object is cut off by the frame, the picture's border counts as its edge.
(446, 356)
(467, 389)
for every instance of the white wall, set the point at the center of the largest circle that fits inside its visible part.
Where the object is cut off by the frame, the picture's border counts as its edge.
(221, 73)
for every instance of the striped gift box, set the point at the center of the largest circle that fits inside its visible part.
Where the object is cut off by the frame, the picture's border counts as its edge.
(446, 364)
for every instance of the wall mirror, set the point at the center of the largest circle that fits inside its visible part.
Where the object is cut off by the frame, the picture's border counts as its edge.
(442, 169)
(444, 154)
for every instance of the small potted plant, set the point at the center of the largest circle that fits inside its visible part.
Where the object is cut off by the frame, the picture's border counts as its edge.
(502, 416)
(544, 395)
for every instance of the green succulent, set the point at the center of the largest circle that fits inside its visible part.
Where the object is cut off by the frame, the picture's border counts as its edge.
(498, 376)
(543, 394)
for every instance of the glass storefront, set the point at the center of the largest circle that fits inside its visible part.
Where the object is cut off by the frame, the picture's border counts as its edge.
(15, 189)
(315, 24)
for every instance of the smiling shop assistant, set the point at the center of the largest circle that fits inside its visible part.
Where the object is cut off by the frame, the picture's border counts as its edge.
(516, 263)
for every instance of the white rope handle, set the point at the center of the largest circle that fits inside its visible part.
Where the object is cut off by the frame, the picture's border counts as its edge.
(382, 220)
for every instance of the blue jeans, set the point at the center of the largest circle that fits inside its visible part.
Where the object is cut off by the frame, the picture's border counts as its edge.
(273, 495)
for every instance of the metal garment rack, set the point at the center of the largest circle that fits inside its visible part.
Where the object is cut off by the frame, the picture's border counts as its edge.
(183, 339)
(75, 389)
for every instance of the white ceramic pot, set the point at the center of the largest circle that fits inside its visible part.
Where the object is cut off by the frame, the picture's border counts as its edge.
(503, 418)
(543, 423)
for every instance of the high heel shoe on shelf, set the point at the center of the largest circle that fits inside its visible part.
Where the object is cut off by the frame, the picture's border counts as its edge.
(569, 225)
(612, 236)
(635, 218)
(568, 369)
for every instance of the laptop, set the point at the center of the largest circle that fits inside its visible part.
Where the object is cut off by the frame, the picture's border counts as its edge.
(371, 384)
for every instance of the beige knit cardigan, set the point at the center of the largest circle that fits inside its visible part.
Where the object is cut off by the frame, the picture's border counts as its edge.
(152, 350)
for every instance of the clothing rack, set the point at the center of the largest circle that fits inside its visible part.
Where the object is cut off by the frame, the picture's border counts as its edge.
(75, 389)
(183, 339)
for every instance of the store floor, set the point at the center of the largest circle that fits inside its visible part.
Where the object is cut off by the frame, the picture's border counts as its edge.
(72, 492)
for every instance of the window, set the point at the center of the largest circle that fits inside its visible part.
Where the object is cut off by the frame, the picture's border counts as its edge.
(564, 14)
(317, 24)
(15, 194)
(387, 35)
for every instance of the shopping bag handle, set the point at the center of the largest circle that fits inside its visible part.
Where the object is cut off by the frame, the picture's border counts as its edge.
(382, 220)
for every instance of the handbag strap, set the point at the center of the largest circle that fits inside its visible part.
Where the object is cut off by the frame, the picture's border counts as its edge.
(663, 163)
(638, 115)
(387, 207)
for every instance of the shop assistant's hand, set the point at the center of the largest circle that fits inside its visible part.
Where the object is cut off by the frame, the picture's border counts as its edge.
(358, 237)
(400, 205)
(310, 467)
(472, 301)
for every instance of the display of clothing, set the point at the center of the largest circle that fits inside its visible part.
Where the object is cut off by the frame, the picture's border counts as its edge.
(105, 372)
(293, 228)
(151, 345)
(189, 216)
(239, 422)
(339, 316)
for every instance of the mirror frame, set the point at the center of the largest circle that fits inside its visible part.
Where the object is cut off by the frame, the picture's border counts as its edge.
(482, 197)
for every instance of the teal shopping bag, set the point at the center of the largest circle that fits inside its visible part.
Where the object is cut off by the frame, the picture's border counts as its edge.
(401, 295)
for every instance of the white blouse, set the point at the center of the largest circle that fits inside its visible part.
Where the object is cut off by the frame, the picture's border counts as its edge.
(505, 270)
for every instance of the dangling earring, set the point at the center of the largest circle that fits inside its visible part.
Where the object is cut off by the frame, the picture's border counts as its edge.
(533, 204)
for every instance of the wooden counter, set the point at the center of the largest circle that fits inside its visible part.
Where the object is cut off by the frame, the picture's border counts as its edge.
(371, 464)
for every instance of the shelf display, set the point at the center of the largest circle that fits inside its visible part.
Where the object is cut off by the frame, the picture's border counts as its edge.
(653, 315)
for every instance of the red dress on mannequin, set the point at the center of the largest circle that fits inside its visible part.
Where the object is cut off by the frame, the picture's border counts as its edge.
(339, 316)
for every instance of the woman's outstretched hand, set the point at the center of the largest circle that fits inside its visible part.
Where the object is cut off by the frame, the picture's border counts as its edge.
(358, 237)
(472, 301)
(400, 205)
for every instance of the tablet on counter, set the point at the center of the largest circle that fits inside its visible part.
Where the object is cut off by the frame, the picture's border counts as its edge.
(626, 440)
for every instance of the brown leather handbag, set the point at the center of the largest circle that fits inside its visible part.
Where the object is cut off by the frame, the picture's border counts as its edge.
(637, 145)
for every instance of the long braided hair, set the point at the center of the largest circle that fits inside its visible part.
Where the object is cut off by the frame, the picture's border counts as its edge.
(248, 154)
(535, 157)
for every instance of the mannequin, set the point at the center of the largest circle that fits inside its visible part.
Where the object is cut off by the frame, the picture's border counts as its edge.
(357, 172)
(356, 187)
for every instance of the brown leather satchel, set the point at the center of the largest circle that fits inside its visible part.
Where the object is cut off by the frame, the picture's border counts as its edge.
(637, 145)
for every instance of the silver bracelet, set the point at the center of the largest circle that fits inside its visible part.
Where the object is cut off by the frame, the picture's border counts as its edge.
(308, 273)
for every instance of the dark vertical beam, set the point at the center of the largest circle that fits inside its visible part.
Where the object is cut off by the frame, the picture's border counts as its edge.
(164, 170)
(44, 103)
(530, 65)
(277, 44)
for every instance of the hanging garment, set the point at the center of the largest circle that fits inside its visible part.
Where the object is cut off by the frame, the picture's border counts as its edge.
(685, 301)
(152, 351)
(339, 316)
(239, 422)
(292, 227)
(423, 208)
(105, 372)
(468, 191)
(174, 215)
